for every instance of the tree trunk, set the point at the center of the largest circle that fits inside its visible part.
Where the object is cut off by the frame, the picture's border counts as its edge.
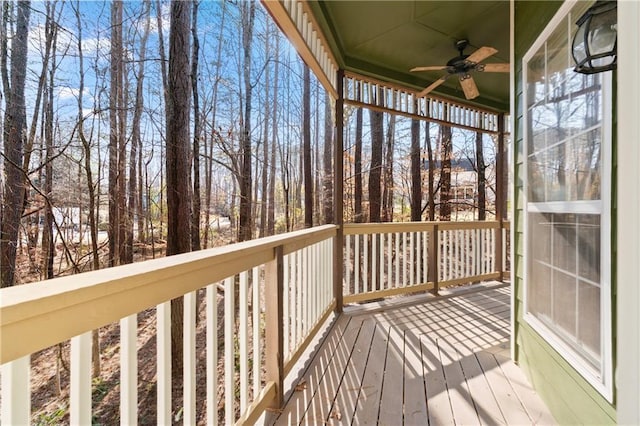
(245, 225)
(357, 165)
(264, 188)
(431, 173)
(14, 138)
(445, 173)
(416, 172)
(387, 196)
(376, 165)
(274, 132)
(178, 158)
(306, 149)
(209, 160)
(195, 218)
(114, 136)
(328, 165)
(482, 180)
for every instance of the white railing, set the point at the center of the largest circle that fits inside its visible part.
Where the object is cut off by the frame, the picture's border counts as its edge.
(388, 259)
(261, 302)
(283, 286)
(370, 93)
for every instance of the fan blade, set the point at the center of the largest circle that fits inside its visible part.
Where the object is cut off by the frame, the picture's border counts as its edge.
(494, 68)
(433, 68)
(483, 53)
(469, 87)
(433, 85)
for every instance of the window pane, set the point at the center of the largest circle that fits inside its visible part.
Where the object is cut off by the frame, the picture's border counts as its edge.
(558, 56)
(589, 317)
(539, 292)
(540, 225)
(586, 101)
(589, 247)
(537, 129)
(535, 78)
(556, 174)
(564, 242)
(564, 302)
(536, 171)
(586, 165)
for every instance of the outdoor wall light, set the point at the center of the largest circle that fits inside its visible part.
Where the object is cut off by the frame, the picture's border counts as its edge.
(595, 43)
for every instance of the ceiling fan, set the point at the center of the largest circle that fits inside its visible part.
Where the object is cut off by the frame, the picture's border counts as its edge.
(462, 66)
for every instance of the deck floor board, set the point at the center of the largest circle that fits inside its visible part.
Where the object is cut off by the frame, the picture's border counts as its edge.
(435, 361)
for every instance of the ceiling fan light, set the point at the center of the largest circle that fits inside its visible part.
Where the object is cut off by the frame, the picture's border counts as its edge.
(594, 45)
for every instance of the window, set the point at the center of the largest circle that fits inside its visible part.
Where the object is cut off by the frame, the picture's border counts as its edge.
(567, 143)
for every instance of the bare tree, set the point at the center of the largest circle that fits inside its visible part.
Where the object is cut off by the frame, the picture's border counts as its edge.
(116, 72)
(328, 165)
(416, 172)
(274, 132)
(14, 133)
(377, 137)
(197, 132)
(357, 166)
(178, 158)
(445, 172)
(482, 180)
(245, 225)
(306, 149)
(387, 175)
(431, 194)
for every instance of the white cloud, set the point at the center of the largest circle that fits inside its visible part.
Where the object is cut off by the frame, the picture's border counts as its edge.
(65, 93)
(153, 24)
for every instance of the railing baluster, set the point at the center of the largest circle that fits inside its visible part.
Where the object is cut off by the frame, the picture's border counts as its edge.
(212, 354)
(412, 261)
(389, 258)
(425, 251)
(16, 392)
(374, 262)
(229, 356)
(397, 260)
(189, 358)
(255, 322)
(163, 337)
(365, 269)
(404, 260)
(287, 306)
(434, 258)
(128, 370)
(80, 380)
(356, 265)
(244, 340)
(347, 266)
(299, 297)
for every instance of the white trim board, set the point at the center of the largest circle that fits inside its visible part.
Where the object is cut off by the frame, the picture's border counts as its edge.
(628, 221)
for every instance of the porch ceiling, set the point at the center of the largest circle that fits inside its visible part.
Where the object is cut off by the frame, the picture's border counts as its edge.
(384, 39)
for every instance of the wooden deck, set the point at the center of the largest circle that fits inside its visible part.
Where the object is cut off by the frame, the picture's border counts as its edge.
(442, 361)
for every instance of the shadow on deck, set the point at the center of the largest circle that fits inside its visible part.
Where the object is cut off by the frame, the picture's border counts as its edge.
(425, 360)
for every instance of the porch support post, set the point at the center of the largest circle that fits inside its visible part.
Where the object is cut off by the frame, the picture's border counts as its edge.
(338, 241)
(274, 325)
(500, 198)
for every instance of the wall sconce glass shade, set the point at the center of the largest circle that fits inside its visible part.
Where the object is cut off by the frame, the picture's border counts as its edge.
(595, 43)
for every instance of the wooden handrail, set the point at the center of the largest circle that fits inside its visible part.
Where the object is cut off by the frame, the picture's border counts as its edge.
(36, 316)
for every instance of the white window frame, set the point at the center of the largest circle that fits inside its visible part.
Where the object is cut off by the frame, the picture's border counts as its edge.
(601, 380)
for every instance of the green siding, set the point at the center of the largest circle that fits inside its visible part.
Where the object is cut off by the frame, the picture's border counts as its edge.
(571, 399)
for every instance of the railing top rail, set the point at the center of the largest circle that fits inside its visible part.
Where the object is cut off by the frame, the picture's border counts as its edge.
(36, 316)
(369, 228)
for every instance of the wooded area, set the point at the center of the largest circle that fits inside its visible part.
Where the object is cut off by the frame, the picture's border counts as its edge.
(135, 130)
